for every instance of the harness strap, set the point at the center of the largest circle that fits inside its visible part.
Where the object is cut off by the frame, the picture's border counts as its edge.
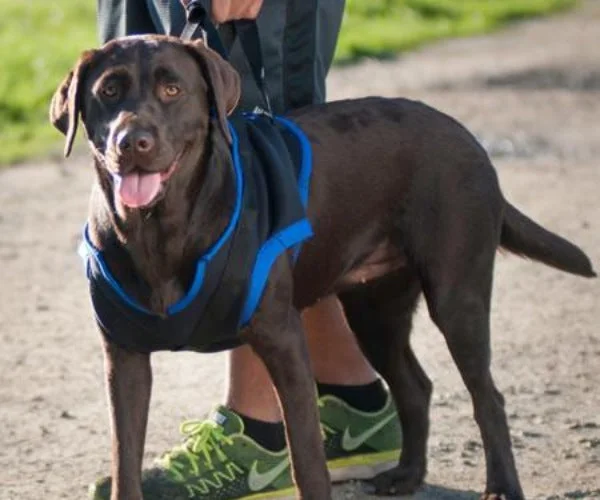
(198, 17)
(247, 31)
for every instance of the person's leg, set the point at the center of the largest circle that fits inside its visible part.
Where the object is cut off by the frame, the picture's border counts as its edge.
(297, 60)
(297, 55)
(249, 390)
(311, 32)
(335, 355)
(334, 352)
(117, 18)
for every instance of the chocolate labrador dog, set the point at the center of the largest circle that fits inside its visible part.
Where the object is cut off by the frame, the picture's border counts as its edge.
(403, 202)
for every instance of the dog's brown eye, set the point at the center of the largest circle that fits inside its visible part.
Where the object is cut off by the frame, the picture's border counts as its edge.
(171, 90)
(109, 90)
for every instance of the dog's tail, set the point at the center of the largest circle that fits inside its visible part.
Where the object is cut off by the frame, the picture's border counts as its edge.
(526, 238)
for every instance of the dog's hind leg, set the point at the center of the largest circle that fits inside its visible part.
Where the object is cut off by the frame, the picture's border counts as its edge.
(455, 261)
(380, 314)
(129, 382)
(276, 335)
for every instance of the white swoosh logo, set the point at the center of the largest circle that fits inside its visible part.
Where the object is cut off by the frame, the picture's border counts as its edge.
(260, 480)
(350, 443)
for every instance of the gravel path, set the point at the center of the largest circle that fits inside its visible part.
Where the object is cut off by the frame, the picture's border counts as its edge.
(532, 94)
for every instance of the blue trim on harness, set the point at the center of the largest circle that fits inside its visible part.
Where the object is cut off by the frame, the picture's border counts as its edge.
(268, 253)
(290, 236)
(305, 170)
(305, 173)
(277, 244)
(205, 259)
(307, 160)
(91, 251)
(187, 299)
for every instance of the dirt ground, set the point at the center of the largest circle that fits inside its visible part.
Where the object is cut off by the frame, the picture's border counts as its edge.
(532, 94)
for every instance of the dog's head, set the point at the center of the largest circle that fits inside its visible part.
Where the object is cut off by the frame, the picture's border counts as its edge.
(145, 103)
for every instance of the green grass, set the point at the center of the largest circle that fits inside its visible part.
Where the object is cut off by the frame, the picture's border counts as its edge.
(383, 27)
(39, 42)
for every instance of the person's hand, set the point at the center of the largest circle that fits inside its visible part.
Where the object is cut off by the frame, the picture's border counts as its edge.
(231, 10)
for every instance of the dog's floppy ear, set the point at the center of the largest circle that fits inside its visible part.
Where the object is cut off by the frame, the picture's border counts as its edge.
(66, 101)
(223, 80)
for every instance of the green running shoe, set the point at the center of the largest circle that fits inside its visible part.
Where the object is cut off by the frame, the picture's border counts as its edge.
(359, 445)
(217, 461)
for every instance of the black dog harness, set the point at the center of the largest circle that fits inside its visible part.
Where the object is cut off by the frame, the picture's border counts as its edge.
(272, 163)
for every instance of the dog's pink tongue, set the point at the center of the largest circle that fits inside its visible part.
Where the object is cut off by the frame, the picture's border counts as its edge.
(137, 190)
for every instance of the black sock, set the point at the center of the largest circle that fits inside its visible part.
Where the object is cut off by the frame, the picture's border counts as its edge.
(369, 397)
(269, 435)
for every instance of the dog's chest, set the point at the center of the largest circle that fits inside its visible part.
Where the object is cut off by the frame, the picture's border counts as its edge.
(272, 166)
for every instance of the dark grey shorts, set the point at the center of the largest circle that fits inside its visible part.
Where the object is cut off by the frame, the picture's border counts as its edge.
(298, 40)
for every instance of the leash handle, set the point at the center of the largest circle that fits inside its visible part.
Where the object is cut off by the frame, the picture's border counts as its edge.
(247, 31)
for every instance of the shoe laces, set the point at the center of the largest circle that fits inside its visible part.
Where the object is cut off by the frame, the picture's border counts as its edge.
(202, 439)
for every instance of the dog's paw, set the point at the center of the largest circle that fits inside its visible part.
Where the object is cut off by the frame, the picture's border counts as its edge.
(396, 481)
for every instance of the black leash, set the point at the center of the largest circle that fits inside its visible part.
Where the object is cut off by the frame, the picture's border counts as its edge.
(198, 16)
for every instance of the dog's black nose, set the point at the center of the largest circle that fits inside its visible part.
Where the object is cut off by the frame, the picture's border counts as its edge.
(136, 142)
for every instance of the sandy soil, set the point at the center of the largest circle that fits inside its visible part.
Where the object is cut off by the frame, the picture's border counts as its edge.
(532, 94)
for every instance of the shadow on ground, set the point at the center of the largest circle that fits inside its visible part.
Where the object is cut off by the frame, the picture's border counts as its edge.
(354, 490)
(432, 491)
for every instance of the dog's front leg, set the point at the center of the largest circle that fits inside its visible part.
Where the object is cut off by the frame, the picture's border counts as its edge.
(277, 336)
(128, 381)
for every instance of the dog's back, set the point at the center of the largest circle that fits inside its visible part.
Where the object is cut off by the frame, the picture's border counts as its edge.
(381, 168)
